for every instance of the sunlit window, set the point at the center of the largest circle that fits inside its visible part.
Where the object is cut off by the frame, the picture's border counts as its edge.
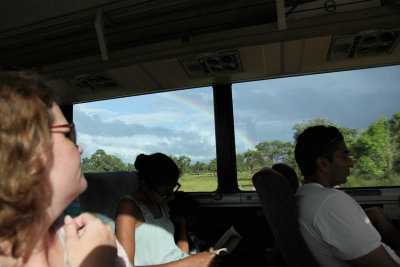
(364, 104)
(179, 124)
(268, 116)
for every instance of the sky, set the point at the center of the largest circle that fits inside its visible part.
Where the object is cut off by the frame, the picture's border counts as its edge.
(181, 122)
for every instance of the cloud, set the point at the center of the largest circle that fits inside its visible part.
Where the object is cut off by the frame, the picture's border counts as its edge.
(149, 119)
(95, 126)
(125, 139)
(94, 112)
(351, 99)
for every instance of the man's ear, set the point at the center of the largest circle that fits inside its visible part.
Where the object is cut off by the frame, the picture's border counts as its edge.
(322, 163)
(142, 184)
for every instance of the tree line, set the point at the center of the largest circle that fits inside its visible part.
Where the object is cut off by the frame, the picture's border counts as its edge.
(375, 151)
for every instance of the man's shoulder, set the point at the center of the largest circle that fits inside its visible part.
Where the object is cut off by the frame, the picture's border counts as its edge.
(316, 195)
(315, 188)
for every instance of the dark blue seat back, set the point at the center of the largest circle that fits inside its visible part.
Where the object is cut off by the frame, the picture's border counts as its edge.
(279, 207)
(105, 189)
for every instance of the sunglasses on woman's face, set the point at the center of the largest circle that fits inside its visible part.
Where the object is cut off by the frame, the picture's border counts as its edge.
(166, 195)
(69, 134)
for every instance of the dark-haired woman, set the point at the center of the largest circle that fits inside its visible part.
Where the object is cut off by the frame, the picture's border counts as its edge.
(143, 224)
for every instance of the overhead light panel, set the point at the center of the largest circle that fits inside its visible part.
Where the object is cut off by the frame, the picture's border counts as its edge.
(370, 43)
(212, 64)
(94, 82)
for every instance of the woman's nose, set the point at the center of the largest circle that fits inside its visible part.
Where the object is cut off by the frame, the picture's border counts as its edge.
(80, 149)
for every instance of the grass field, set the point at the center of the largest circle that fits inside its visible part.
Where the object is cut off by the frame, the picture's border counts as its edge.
(367, 180)
(204, 182)
(207, 182)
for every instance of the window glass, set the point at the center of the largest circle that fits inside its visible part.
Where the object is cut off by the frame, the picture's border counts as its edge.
(364, 104)
(179, 124)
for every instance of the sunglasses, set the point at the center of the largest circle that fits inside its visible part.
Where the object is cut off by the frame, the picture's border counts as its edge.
(166, 195)
(71, 134)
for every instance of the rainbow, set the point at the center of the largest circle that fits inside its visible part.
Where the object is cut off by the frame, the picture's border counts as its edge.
(206, 112)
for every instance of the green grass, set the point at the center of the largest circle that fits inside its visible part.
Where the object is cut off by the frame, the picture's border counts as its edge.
(371, 180)
(244, 181)
(204, 182)
(207, 182)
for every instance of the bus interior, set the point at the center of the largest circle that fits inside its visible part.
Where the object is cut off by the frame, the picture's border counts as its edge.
(94, 50)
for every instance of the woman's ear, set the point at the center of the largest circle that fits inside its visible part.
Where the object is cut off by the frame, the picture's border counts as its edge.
(322, 163)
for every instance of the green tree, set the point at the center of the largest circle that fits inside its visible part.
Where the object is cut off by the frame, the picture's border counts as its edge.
(212, 166)
(394, 127)
(375, 148)
(183, 163)
(130, 167)
(100, 161)
(275, 152)
(240, 163)
(199, 167)
(253, 160)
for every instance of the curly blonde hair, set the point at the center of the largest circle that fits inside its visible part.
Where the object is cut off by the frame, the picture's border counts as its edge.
(24, 139)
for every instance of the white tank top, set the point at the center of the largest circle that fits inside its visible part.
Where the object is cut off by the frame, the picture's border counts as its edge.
(154, 239)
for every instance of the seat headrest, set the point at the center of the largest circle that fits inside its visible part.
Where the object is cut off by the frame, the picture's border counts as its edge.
(105, 189)
(265, 171)
(288, 173)
(281, 170)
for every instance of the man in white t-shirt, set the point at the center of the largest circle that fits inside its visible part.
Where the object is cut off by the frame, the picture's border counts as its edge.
(334, 226)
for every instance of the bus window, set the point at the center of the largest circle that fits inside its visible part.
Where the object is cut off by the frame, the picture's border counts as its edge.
(363, 104)
(179, 124)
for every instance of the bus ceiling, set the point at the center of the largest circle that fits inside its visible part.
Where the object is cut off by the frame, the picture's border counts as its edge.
(105, 48)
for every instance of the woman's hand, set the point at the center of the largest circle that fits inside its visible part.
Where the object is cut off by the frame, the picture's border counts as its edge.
(89, 242)
(203, 259)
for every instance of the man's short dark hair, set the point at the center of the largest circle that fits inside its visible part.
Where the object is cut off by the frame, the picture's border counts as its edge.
(314, 142)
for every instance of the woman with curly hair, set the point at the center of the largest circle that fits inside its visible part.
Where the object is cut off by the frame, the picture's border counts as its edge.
(40, 174)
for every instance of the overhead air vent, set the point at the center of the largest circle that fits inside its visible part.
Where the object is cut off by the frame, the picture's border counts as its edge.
(94, 82)
(364, 44)
(212, 64)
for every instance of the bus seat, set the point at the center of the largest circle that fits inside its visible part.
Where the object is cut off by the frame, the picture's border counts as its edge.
(279, 207)
(104, 191)
(287, 172)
